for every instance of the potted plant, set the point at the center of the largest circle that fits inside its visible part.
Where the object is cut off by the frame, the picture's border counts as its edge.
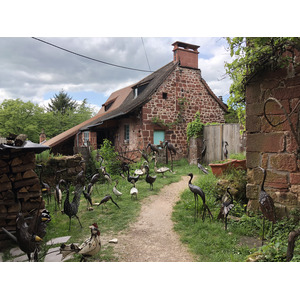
(240, 162)
(219, 167)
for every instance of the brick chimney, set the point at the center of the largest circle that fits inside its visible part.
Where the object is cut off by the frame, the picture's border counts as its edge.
(42, 136)
(186, 54)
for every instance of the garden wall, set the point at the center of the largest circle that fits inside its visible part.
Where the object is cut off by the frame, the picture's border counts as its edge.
(274, 148)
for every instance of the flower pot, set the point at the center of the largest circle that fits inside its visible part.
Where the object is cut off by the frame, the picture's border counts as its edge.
(240, 164)
(219, 169)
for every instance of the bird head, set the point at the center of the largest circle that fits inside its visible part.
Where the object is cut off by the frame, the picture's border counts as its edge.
(94, 229)
(190, 174)
(149, 144)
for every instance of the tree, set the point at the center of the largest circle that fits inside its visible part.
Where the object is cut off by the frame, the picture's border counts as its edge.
(19, 117)
(252, 55)
(62, 103)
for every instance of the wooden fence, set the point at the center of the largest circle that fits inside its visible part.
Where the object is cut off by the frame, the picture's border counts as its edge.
(216, 135)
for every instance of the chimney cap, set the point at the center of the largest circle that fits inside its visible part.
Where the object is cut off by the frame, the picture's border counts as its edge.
(178, 44)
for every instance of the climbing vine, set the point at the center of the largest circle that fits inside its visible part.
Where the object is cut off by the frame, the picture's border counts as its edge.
(194, 128)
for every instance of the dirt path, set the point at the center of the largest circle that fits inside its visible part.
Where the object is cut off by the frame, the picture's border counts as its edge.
(152, 238)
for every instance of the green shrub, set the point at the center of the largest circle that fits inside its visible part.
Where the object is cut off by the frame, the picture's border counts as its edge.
(110, 157)
(194, 129)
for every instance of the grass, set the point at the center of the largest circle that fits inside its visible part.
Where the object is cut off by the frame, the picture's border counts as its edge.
(110, 220)
(208, 240)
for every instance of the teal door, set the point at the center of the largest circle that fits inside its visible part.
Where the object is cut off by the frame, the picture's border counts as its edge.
(158, 136)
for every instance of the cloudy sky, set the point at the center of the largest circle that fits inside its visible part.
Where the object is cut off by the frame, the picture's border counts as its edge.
(36, 71)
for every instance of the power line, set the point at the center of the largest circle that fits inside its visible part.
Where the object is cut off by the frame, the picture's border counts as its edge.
(146, 54)
(87, 57)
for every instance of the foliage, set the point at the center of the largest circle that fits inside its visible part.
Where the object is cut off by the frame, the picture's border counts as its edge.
(17, 116)
(232, 116)
(44, 156)
(275, 249)
(194, 128)
(252, 55)
(61, 103)
(238, 156)
(110, 157)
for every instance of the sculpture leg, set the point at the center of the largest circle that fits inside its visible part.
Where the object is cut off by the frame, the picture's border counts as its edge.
(263, 233)
(78, 221)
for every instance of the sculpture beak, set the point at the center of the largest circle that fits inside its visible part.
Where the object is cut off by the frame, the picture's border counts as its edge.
(37, 238)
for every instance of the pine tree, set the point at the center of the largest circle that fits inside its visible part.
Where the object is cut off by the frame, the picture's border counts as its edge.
(62, 103)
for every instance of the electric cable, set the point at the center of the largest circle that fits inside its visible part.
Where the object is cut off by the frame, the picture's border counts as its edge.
(87, 57)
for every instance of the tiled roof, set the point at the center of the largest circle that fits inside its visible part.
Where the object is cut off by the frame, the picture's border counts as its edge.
(125, 102)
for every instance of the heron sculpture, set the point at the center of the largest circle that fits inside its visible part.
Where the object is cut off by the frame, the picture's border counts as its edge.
(197, 191)
(266, 205)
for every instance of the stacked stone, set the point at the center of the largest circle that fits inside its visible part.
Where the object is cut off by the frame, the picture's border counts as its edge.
(19, 188)
(274, 148)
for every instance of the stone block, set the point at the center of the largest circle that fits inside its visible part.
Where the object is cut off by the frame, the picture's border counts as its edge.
(252, 159)
(265, 142)
(284, 162)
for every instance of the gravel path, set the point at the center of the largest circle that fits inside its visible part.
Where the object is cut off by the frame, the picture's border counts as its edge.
(152, 238)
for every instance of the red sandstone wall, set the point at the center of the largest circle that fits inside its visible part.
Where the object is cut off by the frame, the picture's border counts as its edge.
(273, 148)
(186, 84)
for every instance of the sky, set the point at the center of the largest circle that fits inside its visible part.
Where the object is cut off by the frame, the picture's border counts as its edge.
(33, 70)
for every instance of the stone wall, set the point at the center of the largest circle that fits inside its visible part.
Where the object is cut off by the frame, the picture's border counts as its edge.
(175, 103)
(273, 148)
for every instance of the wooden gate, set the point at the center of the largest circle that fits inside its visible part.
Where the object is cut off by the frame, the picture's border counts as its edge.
(216, 135)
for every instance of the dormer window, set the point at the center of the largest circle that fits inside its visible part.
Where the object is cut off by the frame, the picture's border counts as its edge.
(139, 88)
(108, 104)
(136, 92)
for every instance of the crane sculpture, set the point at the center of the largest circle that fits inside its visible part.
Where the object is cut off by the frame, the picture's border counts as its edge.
(227, 205)
(197, 191)
(225, 150)
(170, 147)
(266, 204)
(46, 189)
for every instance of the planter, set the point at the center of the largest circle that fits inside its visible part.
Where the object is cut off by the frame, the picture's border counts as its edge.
(219, 169)
(240, 164)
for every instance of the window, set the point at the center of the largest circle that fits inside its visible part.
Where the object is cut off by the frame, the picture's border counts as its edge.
(126, 133)
(158, 136)
(165, 95)
(86, 137)
(107, 107)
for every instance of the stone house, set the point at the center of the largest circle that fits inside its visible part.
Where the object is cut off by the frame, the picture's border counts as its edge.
(274, 148)
(157, 108)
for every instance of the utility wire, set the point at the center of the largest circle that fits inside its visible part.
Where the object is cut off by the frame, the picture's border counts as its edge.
(84, 56)
(146, 54)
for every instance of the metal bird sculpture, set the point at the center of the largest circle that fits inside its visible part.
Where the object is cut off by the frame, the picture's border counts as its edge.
(197, 191)
(153, 148)
(116, 191)
(88, 198)
(266, 204)
(46, 189)
(201, 168)
(170, 147)
(227, 205)
(106, 199)
(29, 232)
(149, 179)
(134, 191)
(88, 248)
(58, 193)
(225, 150)
(71, 208)
(203, 152)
